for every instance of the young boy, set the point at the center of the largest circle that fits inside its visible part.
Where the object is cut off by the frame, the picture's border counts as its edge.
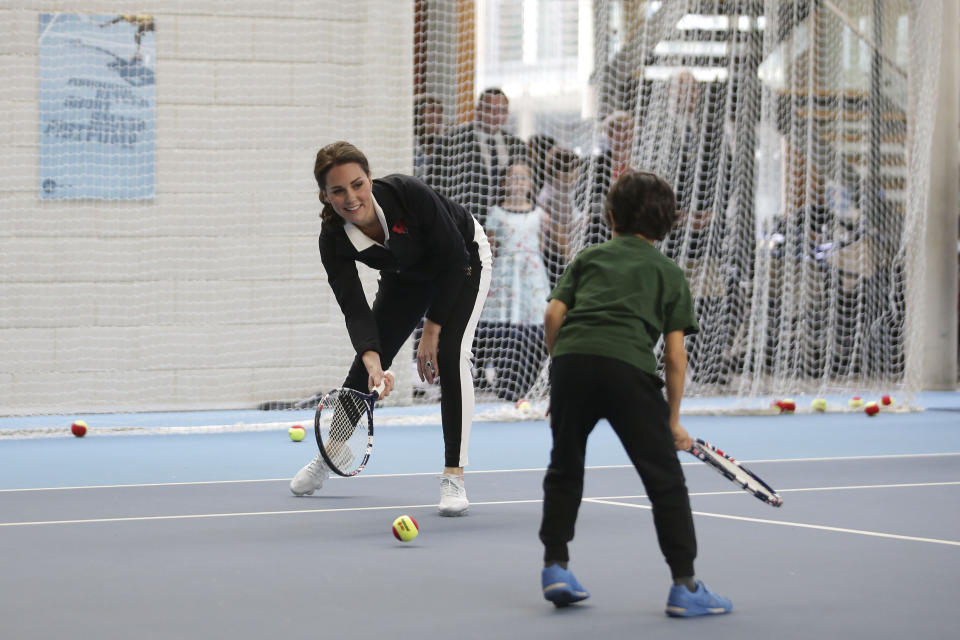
(602, 324)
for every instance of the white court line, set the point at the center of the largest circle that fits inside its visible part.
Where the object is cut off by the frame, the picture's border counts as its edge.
(801, 490)
(611, 500)
(801, 525)
(693, 463)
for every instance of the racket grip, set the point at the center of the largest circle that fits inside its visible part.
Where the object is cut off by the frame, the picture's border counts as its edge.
(377, 390)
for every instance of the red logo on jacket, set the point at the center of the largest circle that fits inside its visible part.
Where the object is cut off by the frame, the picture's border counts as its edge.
(399, 227)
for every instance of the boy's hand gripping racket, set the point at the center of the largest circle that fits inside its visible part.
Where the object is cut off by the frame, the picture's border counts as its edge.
(735, 472)
(339, 427)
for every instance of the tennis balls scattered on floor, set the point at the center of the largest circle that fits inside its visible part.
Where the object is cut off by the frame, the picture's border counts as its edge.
(79, 428)
(523, 405)
(405, 529)
(886, 401)
(856, 402)
(785, 406)
(819, 405)
(297, 433)
(871, 408)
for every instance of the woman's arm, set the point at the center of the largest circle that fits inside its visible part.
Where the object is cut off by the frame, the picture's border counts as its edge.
(345, 283)
(427, 352)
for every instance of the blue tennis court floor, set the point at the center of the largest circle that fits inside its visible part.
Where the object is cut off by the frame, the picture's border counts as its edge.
(192, 535)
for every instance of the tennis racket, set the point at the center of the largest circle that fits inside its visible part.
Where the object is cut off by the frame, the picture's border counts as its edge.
(343, 425)
(735, 472)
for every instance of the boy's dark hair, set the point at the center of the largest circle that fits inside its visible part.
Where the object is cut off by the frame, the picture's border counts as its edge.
(642, 202)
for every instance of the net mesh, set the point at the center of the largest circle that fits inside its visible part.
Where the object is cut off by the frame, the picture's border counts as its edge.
(784, 128)
(158, 248)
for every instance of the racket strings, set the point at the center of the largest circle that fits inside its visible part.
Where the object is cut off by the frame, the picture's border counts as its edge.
(344, 433)
(739, 474)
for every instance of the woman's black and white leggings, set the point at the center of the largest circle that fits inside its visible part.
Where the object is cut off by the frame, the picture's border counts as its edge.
(398, 308)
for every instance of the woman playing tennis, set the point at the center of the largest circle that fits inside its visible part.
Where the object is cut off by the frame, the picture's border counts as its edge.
(434, 262)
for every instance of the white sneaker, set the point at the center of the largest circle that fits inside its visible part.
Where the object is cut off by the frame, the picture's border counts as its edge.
(310, 478)
(343, 459)
(453, 495)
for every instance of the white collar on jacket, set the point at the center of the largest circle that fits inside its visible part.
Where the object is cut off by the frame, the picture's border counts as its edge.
(362, 241)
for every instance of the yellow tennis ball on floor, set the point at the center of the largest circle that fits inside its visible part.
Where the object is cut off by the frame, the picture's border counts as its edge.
(297, 433)
(819, 405)
(405, 529)
(856, 402)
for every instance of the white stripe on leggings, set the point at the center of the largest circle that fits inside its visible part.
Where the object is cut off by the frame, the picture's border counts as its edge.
(466, 344)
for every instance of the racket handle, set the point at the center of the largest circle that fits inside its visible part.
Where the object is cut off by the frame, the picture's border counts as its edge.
(377, 390)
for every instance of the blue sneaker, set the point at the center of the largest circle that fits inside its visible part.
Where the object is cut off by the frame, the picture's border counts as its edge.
(682, 603)
(560, 586)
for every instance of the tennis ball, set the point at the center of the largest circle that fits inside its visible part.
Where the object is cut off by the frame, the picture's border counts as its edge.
(297, 433)
(79, 428)
(871, 408)
(785, 406)
(886, 401)
(856, 402)
(405, 529)
(523, 404)
(819, 405)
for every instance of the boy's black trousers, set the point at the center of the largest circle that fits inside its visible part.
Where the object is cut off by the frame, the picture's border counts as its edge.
(583, 390)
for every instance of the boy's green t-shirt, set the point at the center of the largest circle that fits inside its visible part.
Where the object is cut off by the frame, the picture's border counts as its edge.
(621, 296)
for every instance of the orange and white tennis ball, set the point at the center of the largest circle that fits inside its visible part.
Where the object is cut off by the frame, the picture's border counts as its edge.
(871, 408)
(886, 400)
(297, 433)
(79, 428)
(856, 402)
(405, 529)
(819, 405)
(523, 404)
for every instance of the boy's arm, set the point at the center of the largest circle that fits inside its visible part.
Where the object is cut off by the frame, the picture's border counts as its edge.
(675, 366)
(552, 319)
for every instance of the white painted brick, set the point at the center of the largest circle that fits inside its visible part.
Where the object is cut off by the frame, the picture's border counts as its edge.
(47, 305)
(197, 387)
(95, 349)
(290, 383)
(18, 169)
(19, 30)
(253, 129)
(212, 38)
(18, 126)
(272, 38)
(20, 78)
(262, 83)
(26, 349)
(212, 294)
(184, 82)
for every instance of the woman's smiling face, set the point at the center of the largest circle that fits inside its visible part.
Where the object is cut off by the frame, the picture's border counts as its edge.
(348, 190)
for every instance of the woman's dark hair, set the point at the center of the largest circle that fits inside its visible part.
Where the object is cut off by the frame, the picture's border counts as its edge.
(334, 155)
(642, 202)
